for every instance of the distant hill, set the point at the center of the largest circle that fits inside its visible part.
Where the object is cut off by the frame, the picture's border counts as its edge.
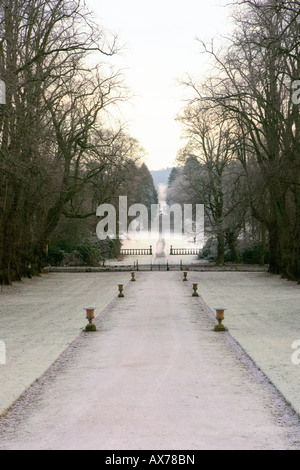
(161, 176)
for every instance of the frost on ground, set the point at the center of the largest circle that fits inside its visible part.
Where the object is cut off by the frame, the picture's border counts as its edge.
(39, 318)
(262, 315)
(155, 375)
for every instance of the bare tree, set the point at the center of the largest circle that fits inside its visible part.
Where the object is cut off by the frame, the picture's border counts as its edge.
(212, 174)
(54, 106)
(253, 88)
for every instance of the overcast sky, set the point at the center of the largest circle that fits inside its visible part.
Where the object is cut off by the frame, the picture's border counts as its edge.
(160, 49)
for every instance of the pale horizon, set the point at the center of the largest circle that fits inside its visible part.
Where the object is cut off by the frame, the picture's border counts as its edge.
(160, 48)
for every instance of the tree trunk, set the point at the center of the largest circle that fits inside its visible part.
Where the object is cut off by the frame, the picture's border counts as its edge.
(221, 248)
(263, 245)
(231, 240)
(275, 266)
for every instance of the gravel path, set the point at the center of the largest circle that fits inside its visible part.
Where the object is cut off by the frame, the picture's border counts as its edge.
(263, 317)
(154, 376)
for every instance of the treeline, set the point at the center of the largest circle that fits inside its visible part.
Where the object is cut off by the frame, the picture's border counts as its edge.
(61, 153)
(74, 242)
(242, 159)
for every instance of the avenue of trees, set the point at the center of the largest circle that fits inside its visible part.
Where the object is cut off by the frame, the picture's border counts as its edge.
(242, 157)
(61, 153)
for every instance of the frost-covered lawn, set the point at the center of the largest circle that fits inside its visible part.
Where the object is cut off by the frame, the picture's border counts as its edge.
(264, 317)
(39, 318)
(154, 376)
